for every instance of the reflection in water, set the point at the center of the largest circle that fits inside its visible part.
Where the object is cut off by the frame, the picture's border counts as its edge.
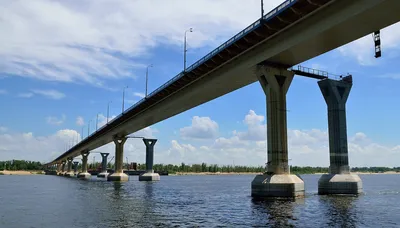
(148, 189)
(340, 211)
(279, 212)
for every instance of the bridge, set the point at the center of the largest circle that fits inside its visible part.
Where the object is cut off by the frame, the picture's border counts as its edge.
(293, 32)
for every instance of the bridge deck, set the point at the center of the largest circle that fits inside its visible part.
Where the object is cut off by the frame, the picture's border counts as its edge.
(276, 20)
(293, 32)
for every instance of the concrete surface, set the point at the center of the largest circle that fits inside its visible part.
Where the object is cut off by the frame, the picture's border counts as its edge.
(339, 184)
(277, 185)
(149, 177)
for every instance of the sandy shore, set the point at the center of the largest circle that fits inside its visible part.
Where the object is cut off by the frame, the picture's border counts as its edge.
(21, 172)
(389, 172)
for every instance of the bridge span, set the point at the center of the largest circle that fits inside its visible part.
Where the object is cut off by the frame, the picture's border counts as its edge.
(293, 32)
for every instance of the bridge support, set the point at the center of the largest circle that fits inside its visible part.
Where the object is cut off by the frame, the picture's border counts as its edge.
(84, 174)
(276, 181)
(59, 169)
(149, 175)
(339, 180)
(69, 172)
(76, 168)
(103, 173)
(62, 169)
(119, 174)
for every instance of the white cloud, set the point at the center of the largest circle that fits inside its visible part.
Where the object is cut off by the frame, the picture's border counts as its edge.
(3, 129)
(201, 128)
(2, 91)
(25, 95)
(256, 129)
(51, 94)
(141, 95)
(55, 120)
(363, 49)
(306, 148)
(80, 121)
(91, 41)
(27, 146)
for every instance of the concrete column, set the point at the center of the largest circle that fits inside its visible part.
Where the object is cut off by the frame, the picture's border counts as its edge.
(119, 174)
(59, 169)
(76, 168)
(339, 180)
(84, 174)
(276, 182)
(62, 169)
(149, 175)
(69, 172)
(103, 173)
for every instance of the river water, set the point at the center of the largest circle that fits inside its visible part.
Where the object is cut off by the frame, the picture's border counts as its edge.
(188, 201)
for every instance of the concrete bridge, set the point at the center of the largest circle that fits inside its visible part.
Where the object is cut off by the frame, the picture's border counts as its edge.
(293, 32)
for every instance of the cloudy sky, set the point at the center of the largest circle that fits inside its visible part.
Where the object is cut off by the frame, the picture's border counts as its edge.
(62, 62)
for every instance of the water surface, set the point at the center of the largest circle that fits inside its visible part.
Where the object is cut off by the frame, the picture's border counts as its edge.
(188, 201)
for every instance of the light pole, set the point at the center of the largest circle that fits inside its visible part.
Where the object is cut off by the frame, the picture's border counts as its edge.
(147, 76)
(123, 97)
(127, 163)
(108, 109)
(82, 133)
(97, 121)
(262, 9)
(88, 128)
(185, 50)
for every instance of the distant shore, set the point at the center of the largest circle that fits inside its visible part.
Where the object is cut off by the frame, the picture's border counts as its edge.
(21, 172)
(244, 173)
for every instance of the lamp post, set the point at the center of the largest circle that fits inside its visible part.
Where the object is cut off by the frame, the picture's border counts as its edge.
(123, 97)
(108, 109)
(82, 133)
(185, 50)
(88, 128)
(97, 121)
(147, 76)
(262, 9)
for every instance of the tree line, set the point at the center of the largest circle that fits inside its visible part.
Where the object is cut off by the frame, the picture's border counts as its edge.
(20, 165)
(195, 168)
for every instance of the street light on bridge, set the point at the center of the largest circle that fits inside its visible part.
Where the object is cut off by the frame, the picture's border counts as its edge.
(147, 76)
(123, 97)
(88, 128)
(108, 109)
(185, 50)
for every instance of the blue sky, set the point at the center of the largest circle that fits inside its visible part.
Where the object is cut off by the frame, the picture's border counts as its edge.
(60, 64)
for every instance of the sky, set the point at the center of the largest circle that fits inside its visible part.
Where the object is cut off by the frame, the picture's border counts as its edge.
(63, 62)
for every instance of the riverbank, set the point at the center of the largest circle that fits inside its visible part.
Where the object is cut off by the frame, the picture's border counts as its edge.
(244, 173)
(21, 172)
(210, 173)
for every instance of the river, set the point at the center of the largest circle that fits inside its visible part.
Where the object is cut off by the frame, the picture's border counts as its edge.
(40, 201)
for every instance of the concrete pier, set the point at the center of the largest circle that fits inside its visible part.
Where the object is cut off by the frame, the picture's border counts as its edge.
(76, 168)
(119, 174)
(84, 174)
(103, 173)
(69, 172)
(339, 180)
(276, 181)
(62, 169)
(149, 175)
(59, 169)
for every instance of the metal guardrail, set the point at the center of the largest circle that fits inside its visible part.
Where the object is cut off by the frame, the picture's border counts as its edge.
(276, 11)
(319, 72)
